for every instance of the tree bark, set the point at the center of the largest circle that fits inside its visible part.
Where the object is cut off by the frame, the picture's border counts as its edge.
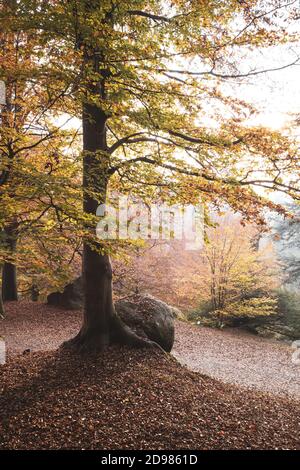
(9, 271)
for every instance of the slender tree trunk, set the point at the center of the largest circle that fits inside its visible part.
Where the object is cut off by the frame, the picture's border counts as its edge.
(9, 271)
(2, 312)
(34, 293)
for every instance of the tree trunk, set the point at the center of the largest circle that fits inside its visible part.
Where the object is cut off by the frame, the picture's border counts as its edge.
(101, 325)
(34, 293)
(2, 312)
(9, 271)
(97, 273)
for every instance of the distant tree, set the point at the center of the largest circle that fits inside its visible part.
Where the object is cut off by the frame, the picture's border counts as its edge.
(147, 268)
(236, 269)
(240, 279)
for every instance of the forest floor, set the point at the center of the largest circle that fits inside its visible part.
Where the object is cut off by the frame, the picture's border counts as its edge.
(140, 399)
(232, 355)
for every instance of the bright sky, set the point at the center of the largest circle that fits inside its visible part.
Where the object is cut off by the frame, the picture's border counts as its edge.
(276, 93)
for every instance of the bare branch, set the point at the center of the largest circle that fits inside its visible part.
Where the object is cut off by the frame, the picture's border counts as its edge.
(227, 75)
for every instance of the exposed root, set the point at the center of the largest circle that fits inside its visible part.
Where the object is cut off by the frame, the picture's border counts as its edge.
(86, 342)
(91, 340)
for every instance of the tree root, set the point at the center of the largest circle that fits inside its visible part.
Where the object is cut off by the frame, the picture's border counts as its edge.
(91, 340)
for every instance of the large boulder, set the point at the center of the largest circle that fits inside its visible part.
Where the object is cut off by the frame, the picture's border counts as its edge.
(71, 298)
(148, 317)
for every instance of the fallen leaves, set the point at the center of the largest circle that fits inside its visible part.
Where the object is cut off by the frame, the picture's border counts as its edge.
(134, 399)
(125, 398)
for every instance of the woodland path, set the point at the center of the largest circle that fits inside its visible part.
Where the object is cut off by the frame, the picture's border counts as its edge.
(238, 357)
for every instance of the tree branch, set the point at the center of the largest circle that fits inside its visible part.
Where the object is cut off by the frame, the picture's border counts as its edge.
(211, 72)
(151, 16)
(196, 140)
(133, 139)
(229, 181)
(123, 140)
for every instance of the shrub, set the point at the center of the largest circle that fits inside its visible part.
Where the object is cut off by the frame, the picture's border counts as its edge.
(289, 307)
(238, 313)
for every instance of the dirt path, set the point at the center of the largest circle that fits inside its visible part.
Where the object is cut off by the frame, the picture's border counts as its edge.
(231, 356)
(238, 358)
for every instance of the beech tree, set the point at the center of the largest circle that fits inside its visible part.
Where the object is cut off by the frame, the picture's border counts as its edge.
(37, 183)
(144, 73)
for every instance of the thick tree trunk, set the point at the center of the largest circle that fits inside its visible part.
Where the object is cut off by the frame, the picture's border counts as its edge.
(101, 325)
(97, 278)
(9, 271)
